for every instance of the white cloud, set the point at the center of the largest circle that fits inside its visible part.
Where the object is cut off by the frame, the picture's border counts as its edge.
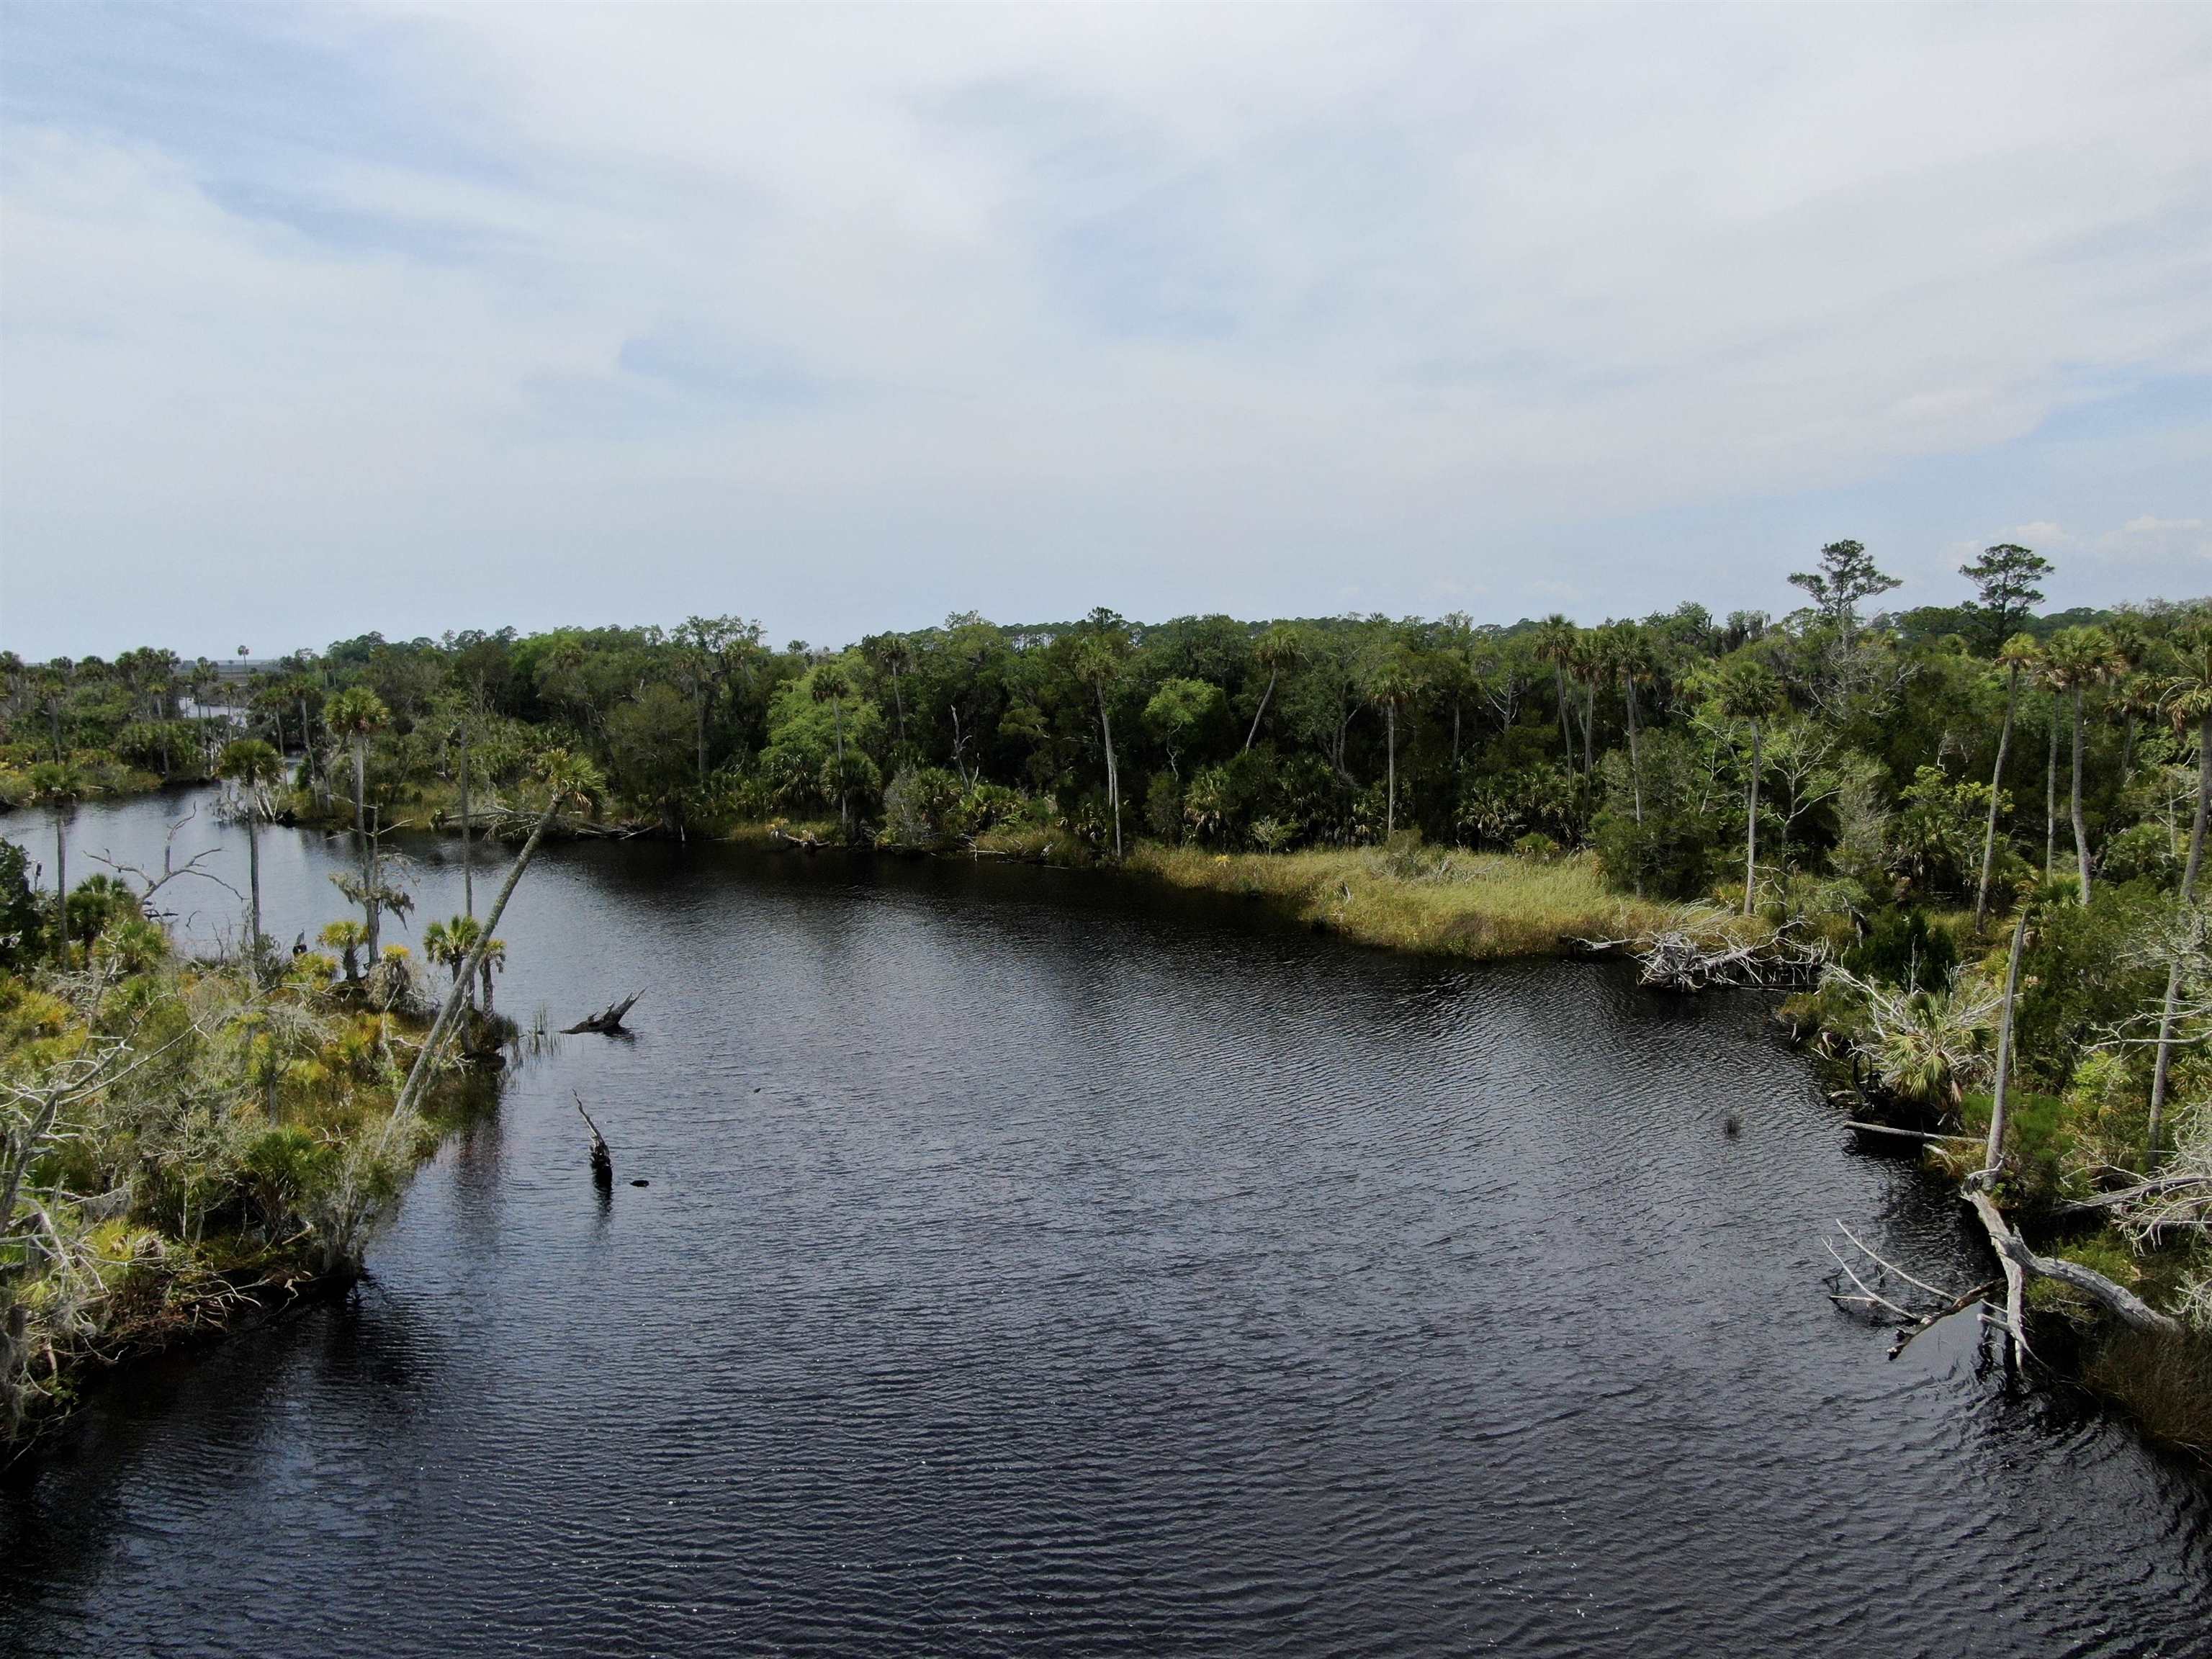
(851, 318)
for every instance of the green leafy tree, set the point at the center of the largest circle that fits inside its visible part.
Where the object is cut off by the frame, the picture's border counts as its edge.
(2006, 595)
(1179, 712)
(1846, 577)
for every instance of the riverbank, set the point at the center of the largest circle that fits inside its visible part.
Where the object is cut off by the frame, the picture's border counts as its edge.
(189, 1145)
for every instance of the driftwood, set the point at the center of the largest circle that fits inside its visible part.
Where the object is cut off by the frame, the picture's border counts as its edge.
(603, 1161)
(806, 841)
(1695, 950)
(608, 1020)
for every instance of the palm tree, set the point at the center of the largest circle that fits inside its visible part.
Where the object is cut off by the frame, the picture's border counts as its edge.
(1555, 644)
(2017, 655)
(346, 938)
(1628, 657)
(253, 765)
(1100, 656)
(1747, 690)
(2075, 659)
(57, 785)
(356, 714)
(1587, 664)
(2187, 700)
(1394, 684)
(1283, 646)
(830, 686)
(448, 943)
(569, 780)
(490, 960)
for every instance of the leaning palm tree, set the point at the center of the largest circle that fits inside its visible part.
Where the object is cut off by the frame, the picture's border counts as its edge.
(2018, 655)
(2074, 660)
(2187, 700)
(1748, 690)
(1282, 646)
(356, 714)
(253, 765)
(569, 780)
(1555, 640)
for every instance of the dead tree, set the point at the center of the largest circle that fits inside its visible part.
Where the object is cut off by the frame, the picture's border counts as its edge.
(603, 1161)
(608, 1020)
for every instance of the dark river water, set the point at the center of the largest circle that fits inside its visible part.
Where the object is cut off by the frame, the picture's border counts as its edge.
(1034, 1263)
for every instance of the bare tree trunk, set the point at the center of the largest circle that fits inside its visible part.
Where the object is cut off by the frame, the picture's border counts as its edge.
(2081, 828)
(1635, 761)
(2158, 1078)
(367, 842)
(1996, 785)
(837, 717)
(1390, 787)
(2051, 800)
(1590, 725)
(253, 878)
(1560, 694)
(468, 854)
(2004, 1044)
(61, 883)
(1113, 772)
(1751, 824)
(898, 703)
(1251, 736)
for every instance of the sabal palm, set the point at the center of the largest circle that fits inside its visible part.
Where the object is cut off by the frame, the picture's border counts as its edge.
(2074, 660)
(1280, 648)
(356, 714)
(1395, 683)
(448, 943)
(1555, 640)
(1629, 659)
(2017, 656)
(830, 686)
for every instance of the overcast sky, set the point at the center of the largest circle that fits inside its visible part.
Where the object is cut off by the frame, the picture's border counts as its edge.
(316, 320)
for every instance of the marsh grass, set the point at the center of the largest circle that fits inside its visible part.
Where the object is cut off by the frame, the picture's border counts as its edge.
(1444, 902)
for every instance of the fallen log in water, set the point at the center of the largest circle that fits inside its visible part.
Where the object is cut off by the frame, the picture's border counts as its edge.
(2018, 1259)
(608, 1020)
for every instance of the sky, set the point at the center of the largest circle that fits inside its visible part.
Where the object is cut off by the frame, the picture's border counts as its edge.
(318, 319)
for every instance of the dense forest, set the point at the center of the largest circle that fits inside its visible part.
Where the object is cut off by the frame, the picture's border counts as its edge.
(1973, 833)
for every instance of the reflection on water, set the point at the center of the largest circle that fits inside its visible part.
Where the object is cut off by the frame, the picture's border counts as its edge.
(1028, 1264)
